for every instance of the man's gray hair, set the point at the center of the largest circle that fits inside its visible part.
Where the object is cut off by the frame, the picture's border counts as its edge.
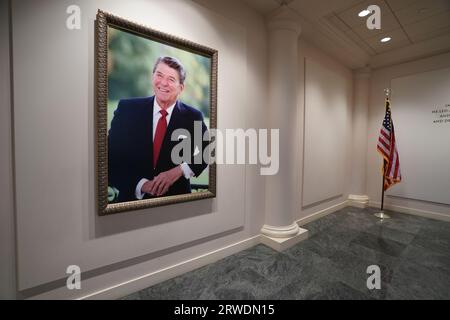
(174, 63)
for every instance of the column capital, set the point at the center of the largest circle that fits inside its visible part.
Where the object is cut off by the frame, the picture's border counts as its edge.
(284, 18)
(362, 73)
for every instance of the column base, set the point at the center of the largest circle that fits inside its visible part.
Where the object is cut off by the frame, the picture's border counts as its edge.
(359, 201)
(281, 244)
(280, 231)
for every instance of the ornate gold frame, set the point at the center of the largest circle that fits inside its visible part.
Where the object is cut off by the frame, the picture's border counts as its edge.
(104, 20)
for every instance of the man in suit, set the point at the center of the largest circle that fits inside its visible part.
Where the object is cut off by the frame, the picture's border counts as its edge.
(139, 141)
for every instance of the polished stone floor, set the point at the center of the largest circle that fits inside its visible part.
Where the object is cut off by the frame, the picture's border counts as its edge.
(413, 255)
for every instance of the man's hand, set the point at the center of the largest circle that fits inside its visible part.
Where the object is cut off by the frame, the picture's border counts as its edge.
(162, 182)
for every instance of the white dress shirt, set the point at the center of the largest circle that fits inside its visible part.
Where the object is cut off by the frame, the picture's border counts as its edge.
(187, 172)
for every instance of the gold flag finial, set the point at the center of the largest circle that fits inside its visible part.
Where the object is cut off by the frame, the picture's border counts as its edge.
(388, 92)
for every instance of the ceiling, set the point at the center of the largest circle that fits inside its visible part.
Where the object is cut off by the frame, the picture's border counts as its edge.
(418, 28)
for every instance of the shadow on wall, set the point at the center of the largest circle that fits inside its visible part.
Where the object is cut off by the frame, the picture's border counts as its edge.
(134, 220)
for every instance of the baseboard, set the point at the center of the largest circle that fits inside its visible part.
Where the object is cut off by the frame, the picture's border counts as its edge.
(358, 201)
(412, 211)
(150, 279)
(322, 213)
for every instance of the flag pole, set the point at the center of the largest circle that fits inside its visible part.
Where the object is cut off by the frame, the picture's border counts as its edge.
(381, 214)
(382, 185)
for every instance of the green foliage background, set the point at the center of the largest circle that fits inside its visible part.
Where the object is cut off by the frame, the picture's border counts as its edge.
(130, 64)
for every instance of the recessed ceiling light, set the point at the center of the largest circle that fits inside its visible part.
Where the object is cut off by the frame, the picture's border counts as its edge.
(364, 13)
(386, 39)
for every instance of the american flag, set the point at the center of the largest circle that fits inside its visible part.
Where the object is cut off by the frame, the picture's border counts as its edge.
(388, 149)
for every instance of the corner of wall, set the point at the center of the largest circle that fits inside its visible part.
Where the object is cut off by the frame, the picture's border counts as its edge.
(7, 219)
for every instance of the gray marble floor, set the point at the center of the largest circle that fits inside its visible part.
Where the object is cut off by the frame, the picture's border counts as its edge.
(413, 254)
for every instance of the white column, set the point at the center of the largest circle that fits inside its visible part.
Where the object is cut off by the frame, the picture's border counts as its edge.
(361, 82)
(280, 230)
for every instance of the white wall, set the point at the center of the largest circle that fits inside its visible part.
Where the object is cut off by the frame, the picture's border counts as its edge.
(56, 220)
(419, 136)
(7, 246)
(412, 202)
(325, 115)
(325, 128)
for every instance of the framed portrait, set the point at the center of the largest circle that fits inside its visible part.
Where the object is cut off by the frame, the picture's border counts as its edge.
(156, 100)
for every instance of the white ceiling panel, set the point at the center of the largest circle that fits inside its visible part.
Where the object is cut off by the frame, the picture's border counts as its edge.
(422, 10)
(322, 7)
(401, 4)
(429, 28)
(436, 33)
(388, 23)
(352, 35)
(338, 23)
(350, 15)
(398, 36)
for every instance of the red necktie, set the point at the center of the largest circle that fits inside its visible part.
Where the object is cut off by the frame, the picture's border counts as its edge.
(159, 136)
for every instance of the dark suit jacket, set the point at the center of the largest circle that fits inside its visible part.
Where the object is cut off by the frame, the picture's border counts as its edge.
(130, 146)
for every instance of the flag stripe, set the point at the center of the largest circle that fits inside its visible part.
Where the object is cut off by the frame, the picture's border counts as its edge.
(383, 150)
(397, 167)
(385, 141)
(385, 134)
(392, 164)
(385, 144)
